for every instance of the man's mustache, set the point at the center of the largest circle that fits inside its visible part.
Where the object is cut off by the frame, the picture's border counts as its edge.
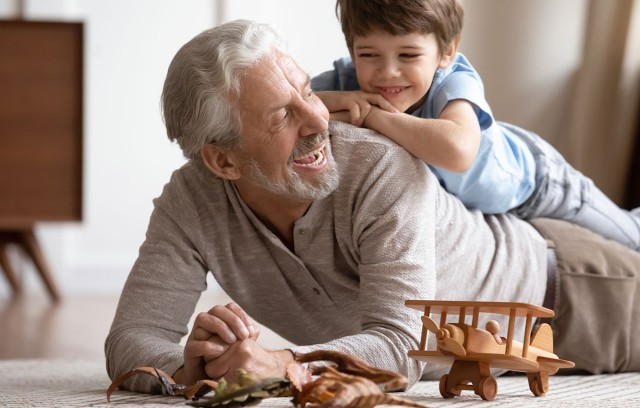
(309, 142)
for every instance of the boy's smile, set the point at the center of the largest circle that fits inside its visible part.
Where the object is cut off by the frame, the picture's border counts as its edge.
(398, 67)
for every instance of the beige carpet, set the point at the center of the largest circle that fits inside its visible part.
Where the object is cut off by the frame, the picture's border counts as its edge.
(65, 383)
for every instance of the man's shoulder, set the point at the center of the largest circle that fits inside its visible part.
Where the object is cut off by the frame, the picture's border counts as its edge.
(190, 172)
(359, 142)
(362, 153)
(187, 185)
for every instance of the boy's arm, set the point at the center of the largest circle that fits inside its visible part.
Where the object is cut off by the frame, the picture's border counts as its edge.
(450, 142)
(353, 106)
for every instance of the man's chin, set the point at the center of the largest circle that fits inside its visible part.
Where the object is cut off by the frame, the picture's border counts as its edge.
(305, 182)
(320, 186)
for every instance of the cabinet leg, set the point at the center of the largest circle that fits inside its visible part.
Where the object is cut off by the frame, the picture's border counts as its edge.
(33, 250)
(5, 264)
(28, 241)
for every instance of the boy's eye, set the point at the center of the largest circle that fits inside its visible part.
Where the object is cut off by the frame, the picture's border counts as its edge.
(365, 55)
(408, 56)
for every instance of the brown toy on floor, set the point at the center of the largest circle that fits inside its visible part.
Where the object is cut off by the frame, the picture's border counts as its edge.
(472, 351)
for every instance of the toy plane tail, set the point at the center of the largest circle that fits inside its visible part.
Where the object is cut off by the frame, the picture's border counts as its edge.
(543, 338)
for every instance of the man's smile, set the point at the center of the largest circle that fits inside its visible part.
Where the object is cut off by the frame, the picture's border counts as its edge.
(314, 158)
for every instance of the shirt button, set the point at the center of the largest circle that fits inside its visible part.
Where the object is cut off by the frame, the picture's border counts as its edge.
(316, 291)
(303, 232)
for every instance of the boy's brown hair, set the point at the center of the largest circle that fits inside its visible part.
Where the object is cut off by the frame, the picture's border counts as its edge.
(444, 18)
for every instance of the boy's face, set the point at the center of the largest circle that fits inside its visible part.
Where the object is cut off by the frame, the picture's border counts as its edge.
(398, 67)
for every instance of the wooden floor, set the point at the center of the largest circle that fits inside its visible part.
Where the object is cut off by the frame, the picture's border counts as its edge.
(76, 327)
(35, 327)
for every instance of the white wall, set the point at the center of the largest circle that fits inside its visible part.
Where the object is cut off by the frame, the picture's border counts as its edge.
(127, 157)
(310, 27)
(527, 51)
(128, 46)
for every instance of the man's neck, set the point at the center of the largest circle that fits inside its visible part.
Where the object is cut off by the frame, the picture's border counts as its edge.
(277, 213)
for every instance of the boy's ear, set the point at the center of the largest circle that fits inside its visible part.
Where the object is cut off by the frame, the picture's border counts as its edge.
(220, 162)
(450, 52)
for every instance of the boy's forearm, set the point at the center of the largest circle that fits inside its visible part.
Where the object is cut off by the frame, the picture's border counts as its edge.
(434, 141)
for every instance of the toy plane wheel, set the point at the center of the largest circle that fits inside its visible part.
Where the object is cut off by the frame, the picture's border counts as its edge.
(487, 388)
(446, 392)
(538, 383)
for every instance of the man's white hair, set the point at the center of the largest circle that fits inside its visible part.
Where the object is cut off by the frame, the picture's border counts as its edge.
(202, 79)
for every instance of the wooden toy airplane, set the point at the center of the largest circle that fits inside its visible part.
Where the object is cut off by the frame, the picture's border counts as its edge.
(472, 351)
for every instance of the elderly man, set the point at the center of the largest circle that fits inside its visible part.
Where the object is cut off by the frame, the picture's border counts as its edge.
(321, 231)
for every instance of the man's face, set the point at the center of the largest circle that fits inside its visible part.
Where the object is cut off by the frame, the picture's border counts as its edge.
(398, 67)
(285, 147)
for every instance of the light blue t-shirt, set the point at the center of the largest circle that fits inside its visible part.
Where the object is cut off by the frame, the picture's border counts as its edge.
(503, 175)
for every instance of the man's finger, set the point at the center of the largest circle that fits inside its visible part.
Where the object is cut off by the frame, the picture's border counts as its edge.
(212, 325)
(216, 368)
(201, 334)
(235, 308)
(204, 349)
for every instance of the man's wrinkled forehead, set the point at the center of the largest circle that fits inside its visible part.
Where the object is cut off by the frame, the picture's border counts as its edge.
(291, 69)
(281, 66)
(271, 80)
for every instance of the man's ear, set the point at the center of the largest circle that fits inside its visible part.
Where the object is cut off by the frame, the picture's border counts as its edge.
(220, 161)
(450, 52)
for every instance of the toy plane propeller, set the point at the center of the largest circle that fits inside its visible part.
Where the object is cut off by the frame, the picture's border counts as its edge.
(448, 337)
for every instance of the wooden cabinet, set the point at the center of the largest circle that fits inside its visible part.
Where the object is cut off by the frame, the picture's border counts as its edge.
(41, 127)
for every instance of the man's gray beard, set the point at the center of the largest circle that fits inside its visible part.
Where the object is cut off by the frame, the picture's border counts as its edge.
(320, 187)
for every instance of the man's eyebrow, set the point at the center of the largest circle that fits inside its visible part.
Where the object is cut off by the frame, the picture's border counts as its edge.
(306, 83)
(276, 107)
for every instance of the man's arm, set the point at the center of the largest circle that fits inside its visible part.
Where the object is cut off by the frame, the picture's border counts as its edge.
(162, 289)
(156, 304)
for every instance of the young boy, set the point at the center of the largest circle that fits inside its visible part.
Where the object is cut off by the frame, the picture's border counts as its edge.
(407, 81)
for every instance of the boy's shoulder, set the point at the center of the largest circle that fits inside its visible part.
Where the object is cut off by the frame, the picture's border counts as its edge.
(341, 78)
(460, 74)
(460, 64)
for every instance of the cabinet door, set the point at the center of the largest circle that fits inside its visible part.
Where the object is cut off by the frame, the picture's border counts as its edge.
(41, 76)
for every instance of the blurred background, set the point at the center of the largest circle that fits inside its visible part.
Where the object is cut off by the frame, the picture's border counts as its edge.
(569, 70)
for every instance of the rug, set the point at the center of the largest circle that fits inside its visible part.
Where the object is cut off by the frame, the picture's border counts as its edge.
(67, 383)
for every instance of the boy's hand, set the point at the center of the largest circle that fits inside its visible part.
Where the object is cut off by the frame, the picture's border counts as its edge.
(353, 106)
